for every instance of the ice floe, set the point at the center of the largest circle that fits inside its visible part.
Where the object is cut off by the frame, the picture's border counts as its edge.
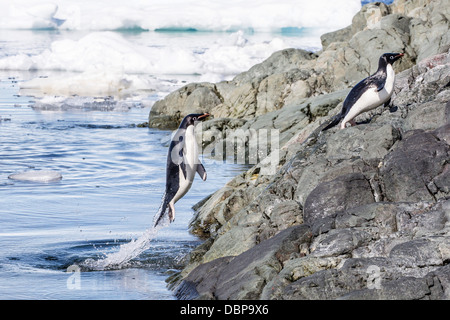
(43, 176)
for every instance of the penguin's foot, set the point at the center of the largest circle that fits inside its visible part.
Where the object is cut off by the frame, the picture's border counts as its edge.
(171, 216)
(343, 125)
(352, 123)
(171, 213)
(393, 109)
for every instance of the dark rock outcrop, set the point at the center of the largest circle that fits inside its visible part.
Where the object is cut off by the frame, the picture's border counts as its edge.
(360, 213)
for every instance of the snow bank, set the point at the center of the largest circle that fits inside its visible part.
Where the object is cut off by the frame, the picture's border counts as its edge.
(110, 52)
(177, 14)
(98, 50)
(105, 63)
(43, 176)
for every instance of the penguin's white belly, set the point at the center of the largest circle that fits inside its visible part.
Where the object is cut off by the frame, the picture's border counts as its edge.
(185, 185)
(190, 158)
(368, 101)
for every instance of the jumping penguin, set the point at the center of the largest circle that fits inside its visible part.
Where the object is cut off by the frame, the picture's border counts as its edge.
(369, 93)
(182, 164)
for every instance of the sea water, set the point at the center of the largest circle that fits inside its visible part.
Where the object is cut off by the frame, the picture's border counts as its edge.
(112, 177)
(80, 180)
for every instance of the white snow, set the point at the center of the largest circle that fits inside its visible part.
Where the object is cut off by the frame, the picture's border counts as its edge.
(110, 52)
(105, 63)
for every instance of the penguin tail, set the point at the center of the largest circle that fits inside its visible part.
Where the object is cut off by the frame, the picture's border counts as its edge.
(158, 219)
(334, 121)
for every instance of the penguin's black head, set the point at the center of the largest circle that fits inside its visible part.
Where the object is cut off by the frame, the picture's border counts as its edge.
(192, 118)
(390, 58)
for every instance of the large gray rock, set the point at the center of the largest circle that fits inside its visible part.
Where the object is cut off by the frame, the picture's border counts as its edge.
(429, 27)
(409, 271)
(368, 142)
(408, 171)
(344, 192)
(365, 210)
(266, 87)
(244, 276)
(334, 182)
(279, 62)
(356, 280)
(192, 98)
(377, 251)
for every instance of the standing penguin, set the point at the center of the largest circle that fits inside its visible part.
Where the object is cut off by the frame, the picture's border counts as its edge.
(369, 93)
(182, 164)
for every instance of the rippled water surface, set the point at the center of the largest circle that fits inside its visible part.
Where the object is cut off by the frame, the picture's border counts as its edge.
(113, 176)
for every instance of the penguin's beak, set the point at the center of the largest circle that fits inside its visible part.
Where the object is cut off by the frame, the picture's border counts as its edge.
(203, 116)
(398, 56)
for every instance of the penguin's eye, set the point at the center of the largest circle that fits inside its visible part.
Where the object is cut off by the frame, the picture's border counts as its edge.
(391, 57)
(194, 119)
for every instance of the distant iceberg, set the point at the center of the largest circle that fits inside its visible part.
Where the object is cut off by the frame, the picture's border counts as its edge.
(43, 176)
(201, 15)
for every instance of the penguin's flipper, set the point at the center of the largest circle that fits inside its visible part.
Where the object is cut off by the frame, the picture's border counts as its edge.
(380, 86)
(182, 163)
(183, 169)
(201, 171)
(379, 82)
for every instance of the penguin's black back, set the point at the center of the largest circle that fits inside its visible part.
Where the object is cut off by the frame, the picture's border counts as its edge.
(377, 80)
(172, 184)
(172, 173)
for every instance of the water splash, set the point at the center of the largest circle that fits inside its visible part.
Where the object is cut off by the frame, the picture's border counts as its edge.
(127, 252)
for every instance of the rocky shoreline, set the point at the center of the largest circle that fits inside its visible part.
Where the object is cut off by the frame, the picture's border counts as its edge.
(360, 213)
